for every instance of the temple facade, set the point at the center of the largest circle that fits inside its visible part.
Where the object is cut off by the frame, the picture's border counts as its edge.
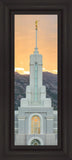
(35, 119)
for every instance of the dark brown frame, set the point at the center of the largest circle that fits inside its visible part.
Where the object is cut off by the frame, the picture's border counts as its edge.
(64, 9)
(30, 11)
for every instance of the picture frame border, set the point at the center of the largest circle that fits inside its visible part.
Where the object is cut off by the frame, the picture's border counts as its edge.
(12, 105)
(64, 151)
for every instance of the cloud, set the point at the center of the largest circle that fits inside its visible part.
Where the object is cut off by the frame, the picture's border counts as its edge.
(51, 71)
(44, 70)
(54, 71)
(21, 71)
(26, 72)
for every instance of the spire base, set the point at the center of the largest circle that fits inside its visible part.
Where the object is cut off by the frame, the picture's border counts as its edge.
(36, 51)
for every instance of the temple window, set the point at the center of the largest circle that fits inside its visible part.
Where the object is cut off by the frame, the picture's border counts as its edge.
(35, 125)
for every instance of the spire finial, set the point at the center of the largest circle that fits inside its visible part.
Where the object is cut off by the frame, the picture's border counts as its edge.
(36, 24)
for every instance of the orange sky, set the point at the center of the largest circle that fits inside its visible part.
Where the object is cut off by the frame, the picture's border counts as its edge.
(25, 41)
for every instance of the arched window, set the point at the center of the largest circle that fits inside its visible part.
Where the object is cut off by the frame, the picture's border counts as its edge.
(35, 125)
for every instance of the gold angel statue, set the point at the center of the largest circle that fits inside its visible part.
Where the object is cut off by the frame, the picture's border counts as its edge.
(36, 24)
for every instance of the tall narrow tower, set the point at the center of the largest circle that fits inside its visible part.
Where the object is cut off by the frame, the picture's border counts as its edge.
(36, 28)
(36, 89)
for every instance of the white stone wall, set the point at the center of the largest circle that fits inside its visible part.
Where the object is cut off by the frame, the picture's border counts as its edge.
(23, 102)
(51, 139)
(20, 139)
(46, 139)
(55, 121)
(47, 102)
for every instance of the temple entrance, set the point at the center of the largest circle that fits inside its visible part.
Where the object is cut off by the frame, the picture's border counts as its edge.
(35, 142)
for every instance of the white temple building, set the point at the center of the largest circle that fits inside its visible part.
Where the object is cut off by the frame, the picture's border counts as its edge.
(35, 119)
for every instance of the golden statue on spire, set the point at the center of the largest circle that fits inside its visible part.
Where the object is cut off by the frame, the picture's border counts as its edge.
(36, 24)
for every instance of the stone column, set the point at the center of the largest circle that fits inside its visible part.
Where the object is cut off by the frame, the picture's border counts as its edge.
(49, 125)
(21, 124)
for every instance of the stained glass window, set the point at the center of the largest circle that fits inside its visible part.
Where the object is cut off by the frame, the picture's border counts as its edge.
(35, 125)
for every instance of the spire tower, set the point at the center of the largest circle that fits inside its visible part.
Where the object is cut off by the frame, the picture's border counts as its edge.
(36, 28)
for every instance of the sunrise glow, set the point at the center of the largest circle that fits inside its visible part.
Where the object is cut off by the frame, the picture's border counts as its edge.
(25, 42)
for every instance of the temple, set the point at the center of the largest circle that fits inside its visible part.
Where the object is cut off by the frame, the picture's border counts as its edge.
(35, 119)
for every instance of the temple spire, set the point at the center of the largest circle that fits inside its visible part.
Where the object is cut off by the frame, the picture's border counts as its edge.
(36, 28)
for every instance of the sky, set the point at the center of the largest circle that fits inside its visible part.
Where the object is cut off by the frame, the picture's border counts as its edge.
(24, 27)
